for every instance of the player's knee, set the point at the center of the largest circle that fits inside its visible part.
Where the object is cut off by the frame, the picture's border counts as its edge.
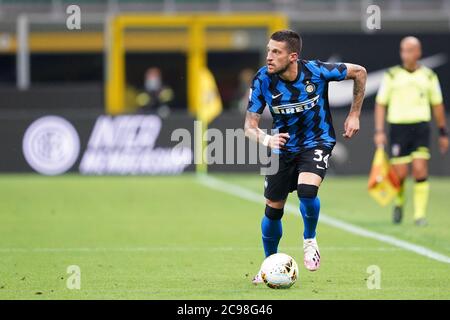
(277, 204)
(420, 174)
(307, 190)
(273, 213)
(401, 171)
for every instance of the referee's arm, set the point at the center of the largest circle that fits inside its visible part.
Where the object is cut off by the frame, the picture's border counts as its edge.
(381, 103)
(439, 117)
(380, 114)
(436, 101)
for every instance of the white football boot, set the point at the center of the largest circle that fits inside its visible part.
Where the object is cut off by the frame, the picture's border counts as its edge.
(311, 252)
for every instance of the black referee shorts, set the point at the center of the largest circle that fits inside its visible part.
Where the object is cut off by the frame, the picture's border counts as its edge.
(409, 141)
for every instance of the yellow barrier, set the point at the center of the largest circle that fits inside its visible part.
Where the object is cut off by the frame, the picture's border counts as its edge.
(196, 52)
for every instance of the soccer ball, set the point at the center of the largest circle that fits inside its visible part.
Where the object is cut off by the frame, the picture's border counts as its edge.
(279, 271)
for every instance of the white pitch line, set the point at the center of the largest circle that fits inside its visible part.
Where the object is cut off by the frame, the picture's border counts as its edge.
(250, 195)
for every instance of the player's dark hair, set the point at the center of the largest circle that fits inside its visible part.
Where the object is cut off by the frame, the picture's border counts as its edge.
(292, 39)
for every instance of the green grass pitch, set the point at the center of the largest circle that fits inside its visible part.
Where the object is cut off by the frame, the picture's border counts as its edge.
(175, 238)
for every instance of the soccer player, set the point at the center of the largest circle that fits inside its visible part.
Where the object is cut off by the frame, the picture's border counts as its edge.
(296, 93)
(408, 91)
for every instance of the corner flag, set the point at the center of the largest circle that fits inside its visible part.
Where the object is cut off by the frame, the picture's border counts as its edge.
(210, 101)
(383, 184)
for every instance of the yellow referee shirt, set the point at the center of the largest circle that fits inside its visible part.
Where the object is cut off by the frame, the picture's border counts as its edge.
(408, 95)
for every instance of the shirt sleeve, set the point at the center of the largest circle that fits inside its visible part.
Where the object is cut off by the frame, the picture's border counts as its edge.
(384, 92)
(435, 93)
(332, 71)
(256, 101)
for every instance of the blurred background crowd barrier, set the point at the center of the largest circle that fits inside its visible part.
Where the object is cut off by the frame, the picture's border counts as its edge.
(143, 65)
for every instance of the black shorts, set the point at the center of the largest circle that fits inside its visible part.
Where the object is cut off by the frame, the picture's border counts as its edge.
(278, 186)
(408, 141)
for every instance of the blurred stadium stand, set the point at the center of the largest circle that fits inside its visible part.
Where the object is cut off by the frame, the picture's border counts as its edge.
(312, 14)
(70, 52)
(67, 69)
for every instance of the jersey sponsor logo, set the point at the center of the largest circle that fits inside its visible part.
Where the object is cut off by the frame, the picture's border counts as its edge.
(51, 145)
(296, 107)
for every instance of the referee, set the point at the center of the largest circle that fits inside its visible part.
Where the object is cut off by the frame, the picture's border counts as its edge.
(406, 94)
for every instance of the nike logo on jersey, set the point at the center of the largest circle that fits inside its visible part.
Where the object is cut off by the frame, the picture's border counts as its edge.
(319, 167)
(296, 107)
(274, 97)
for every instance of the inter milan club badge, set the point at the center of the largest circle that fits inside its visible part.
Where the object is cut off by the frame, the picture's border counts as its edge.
(310, 87)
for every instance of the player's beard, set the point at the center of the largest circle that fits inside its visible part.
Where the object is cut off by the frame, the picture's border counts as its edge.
(282, 70)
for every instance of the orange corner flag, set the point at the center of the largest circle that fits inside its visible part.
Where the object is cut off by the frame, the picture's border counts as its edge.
(383, 184)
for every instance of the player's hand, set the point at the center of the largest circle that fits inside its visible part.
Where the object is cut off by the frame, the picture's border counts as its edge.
(443, 144)
(277, 141)
(351, 126)
(380, 139)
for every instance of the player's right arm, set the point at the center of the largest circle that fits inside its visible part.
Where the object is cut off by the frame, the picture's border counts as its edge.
(252, 131)
(256, 105)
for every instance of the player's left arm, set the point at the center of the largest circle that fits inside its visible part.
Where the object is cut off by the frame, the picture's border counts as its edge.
(358, 74)
(439, 117)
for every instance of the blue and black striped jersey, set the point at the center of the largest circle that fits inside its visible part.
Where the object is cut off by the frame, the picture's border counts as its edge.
(299, 107)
